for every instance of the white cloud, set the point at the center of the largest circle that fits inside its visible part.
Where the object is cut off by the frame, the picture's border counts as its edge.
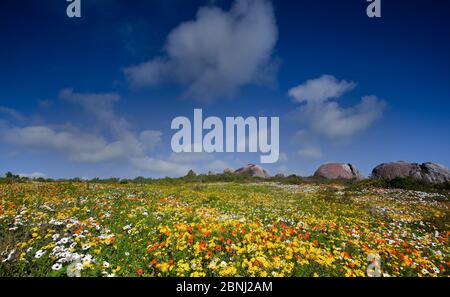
(81, 147)
(89, 147)
(33, 175)
(45, 103)
(310, 153)
(114, 141)
(126, 144)
(217, 165)
(190, 157)
(215, 54)
(327, 118)
(321, 89)
(12, 113)
(282, 164)
(283, 158)
(101, 105)
(199, 162)
(150, 138)
(160, 166)
(41, 137)
(336, 122)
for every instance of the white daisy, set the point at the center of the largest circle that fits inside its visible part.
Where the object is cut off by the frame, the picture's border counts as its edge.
(10, 256)
(64, 240)
(39, 254)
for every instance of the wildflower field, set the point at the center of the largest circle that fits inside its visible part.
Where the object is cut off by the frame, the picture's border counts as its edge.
(220, 229)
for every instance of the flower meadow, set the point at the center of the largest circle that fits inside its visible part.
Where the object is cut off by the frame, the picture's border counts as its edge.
(220, 229)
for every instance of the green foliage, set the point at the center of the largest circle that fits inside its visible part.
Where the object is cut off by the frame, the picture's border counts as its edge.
(404, 183)
(192, 177)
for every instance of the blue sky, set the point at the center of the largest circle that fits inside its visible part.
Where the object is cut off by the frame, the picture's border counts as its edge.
(95, 96)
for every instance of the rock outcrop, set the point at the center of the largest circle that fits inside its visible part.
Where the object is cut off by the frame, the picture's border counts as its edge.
(227, 171)
(253, 170)
(426, 172)
(338, 170)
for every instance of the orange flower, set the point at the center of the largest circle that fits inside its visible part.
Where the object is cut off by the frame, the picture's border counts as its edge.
(140, 271)
(202, 245)
(218, 247)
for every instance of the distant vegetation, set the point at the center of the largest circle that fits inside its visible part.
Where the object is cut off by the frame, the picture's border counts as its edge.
(192, 177)
(405, 183)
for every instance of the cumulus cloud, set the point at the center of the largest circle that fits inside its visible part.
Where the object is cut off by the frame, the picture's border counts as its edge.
(215, 54)
(321, 89)
(114, 141)
(33, 175)
(122, 144)
(199, 162)
(97, 104)
(190, 157)
(310, 153)
(336, 122)
(150, 138)
(160, 166)
(79, 146)
(327, 118)
(282, 164)
(12, 113)
(44, 103)
(217, 165)
(283, 158)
